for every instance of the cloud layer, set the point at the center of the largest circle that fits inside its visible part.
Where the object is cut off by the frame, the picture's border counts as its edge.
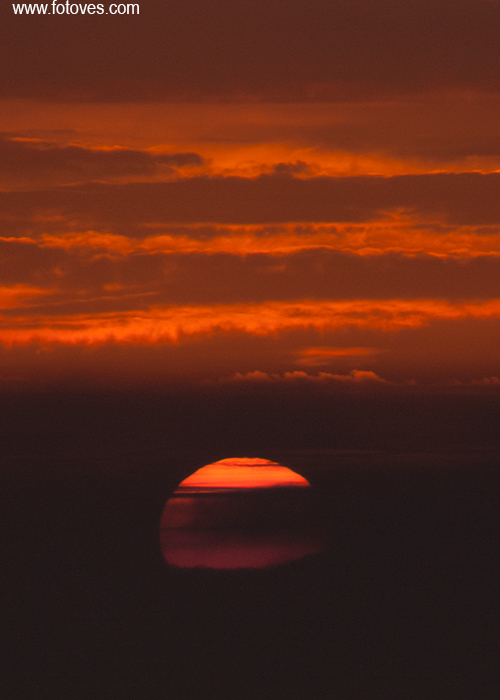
(271, 192)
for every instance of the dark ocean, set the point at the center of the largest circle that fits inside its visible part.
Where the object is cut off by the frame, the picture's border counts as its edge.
(403, 603)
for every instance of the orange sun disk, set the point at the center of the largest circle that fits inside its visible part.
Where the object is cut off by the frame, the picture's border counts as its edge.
(242, 473)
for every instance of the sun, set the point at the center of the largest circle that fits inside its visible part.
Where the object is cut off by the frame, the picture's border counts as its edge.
(240, 512)
(243, 473)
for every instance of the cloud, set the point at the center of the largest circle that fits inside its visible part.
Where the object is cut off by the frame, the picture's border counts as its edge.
(255, 376)
(85, 268)
(320, 356)
(291, 169)
(470, 199)
(354, 377)
(31, 160)
(380, 137)
(488, 381)
(19, 295)
(485, 382)
(396, 234)
(172, 323)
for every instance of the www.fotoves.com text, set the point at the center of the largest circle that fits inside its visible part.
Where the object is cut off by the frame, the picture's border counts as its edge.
(68, 8)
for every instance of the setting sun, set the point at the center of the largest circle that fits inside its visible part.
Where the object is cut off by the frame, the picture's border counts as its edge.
(239, 513)
(242, 473)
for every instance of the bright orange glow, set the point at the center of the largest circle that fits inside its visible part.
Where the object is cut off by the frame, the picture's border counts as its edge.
(400, 235)
(18, 294)
(171, 323)
(242, 473)
(242, 138)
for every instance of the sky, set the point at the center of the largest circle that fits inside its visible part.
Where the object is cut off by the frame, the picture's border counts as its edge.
(234, 193)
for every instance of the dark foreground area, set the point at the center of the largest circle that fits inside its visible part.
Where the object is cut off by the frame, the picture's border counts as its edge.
(404, 603)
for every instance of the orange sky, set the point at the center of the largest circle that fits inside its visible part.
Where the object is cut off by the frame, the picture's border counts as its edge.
(260, 211)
